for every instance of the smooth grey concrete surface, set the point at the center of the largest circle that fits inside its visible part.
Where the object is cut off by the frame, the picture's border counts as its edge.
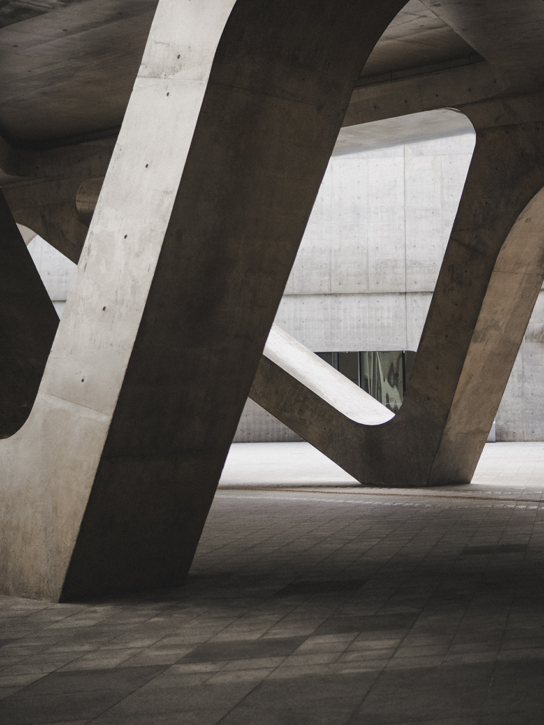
(402, 130)
(336, 606)
(56, 270)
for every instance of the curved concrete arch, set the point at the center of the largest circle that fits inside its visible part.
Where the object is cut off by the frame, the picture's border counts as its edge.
(228, 132)
(430, 440)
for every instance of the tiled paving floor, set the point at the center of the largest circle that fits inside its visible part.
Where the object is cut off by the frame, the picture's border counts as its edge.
(313, 603)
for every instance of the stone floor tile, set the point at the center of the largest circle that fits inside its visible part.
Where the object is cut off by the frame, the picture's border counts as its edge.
(155, 701)
(401, 663)
(427, 693)
(234, 676)
(421, 650)
(517, 686)
(186, 680)
(146, 659)
(313, 658)
(19, 680)
(468, 657)
(244, 649)
(284, 672)
(513, 717)
(185, 717)
(190, 667)
(22, 709)
(359, 655)
(257, 663)
(325, 713)
(127, 679)
(99, 660)
(7, 691)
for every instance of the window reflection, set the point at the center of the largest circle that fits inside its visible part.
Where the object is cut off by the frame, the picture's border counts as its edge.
(384, 375)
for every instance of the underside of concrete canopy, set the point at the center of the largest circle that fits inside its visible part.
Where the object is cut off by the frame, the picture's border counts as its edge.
(175, 150)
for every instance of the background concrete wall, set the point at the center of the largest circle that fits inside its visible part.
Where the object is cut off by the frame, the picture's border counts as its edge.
(56, 270)
(367, 266)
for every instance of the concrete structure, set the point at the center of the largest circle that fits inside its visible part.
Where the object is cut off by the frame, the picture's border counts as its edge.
(368, 262)
(136, 497)
(370, 257)
(208, 187)
(437, 437)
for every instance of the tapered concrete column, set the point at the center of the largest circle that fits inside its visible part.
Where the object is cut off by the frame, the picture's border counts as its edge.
(487, 287)
(28, 323)
(227, 135)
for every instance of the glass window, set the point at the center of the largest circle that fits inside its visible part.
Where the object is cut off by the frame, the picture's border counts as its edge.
(384, 375)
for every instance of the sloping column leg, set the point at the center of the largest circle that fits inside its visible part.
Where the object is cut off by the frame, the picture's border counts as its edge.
(469, 341)
(28, 323)
(219, 160)
(514, 131)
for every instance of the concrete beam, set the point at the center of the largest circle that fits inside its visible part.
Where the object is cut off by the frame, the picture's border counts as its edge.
(508, 35)
(49, 190)
(42, 192)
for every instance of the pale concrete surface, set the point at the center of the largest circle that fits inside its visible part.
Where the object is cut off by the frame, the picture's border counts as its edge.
(56, 270)
(274, 464)
(335, 607)
(515, 465)
(323, 380)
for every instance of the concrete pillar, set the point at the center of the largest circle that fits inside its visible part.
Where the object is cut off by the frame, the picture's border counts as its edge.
(233, 117)
(487, 287)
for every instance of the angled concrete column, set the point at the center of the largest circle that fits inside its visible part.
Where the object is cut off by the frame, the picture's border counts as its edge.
(228, 132)
(487, 287)
(28, 323)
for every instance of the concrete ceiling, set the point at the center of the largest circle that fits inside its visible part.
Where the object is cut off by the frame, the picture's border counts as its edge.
(415, 41)
(67, 66)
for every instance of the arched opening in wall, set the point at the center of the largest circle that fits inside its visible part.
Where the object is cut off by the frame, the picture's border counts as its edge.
(365, 272)
(55, 269)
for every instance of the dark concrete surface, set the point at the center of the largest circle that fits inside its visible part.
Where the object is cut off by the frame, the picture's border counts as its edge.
(28, 323)
(331, 608)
